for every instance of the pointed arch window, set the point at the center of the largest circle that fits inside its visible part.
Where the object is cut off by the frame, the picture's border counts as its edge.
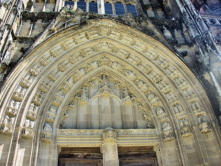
(93, 7)
(108, 8)
(131, 9)
(82, 5)
(69, 4)
(119, 8)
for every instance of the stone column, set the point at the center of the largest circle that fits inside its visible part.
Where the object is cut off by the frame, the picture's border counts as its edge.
(109, 148)
(156, 148)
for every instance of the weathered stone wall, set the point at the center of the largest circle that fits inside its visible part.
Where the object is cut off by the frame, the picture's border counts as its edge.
(28, 126)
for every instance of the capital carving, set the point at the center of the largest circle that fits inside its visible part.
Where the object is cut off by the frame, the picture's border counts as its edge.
(109, 135)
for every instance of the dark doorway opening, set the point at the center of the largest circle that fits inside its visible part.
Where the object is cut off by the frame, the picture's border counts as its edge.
(91, 156)
(84, 156)
(137, 156)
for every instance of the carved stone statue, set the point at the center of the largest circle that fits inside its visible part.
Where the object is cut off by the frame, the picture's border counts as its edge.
(167, 131)
(184, 127)
(204, 124)
(7, 124)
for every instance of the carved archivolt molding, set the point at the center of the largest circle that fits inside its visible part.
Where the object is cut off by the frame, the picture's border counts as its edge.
(41, 85)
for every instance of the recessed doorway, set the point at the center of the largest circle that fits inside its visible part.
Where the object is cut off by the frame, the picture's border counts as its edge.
(91, 156)
(82, 156)
(137, 156)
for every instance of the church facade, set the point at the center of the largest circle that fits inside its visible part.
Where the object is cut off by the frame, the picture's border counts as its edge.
(113, 83)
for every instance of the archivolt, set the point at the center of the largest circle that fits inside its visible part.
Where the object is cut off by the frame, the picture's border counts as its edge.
(53, 70)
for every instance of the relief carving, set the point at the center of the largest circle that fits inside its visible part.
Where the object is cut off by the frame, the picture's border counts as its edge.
(57, 101)
(19, 94)
(51, 114)
(94, 65)
(177, 108)
(195, 106)
(46, 133)
(188, 93)
(131, 75)
(142, 85)
(37, 99)
(159, 111)
(35, 70)
(116, 65)
(27, 131)
(171, 97)
(44, 61)
(171, 71)
(45, 86)
(162, 63)
(65, 87)
(204, 124)
(26, 82)
(184, 127)
(155, 77)
(32, 112)
(7, 125)
(13, 108)
(154, 100)
(163, 86)
(63, 66)
(168, 133)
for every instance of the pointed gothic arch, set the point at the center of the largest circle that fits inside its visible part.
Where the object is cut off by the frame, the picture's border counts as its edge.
(40, 87)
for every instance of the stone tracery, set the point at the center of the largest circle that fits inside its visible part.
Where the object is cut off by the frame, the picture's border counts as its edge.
(107, 101)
